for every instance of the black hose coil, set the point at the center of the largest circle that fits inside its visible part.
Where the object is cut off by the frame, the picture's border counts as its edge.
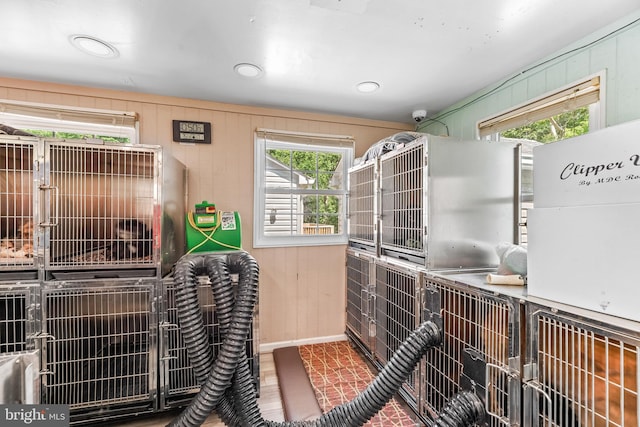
(464, 409)
(226, 380)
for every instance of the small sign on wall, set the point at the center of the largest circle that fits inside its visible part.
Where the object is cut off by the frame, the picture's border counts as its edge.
(192, 132)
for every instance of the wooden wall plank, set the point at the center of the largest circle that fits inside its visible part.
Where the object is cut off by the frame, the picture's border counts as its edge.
(301, 288)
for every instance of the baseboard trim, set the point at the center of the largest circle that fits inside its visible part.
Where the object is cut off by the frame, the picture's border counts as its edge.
(269, 347)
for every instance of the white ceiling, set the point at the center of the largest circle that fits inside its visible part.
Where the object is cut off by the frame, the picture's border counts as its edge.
(426, 54)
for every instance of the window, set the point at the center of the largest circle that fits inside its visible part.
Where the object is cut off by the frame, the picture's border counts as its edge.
(56, 121)
(570, 111)
(545, 110)
(300, 188)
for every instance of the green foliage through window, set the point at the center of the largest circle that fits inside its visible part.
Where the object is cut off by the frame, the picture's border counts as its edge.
(556, 128)
(68, 135)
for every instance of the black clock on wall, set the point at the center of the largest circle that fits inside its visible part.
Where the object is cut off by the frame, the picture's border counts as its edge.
(193, 132)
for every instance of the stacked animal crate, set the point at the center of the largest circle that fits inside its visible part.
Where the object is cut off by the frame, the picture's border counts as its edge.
(88, 230)
(559, 352)
(103, 256)
(19, 286)
(439, 205)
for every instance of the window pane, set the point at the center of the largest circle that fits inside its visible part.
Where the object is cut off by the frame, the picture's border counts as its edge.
(278, 169)
(321, 212)
(304, 166)
(556, 128)
(280, 214)
(70, 135)
(303, 215)
(302, 192)
(282, 156)
(330, 173)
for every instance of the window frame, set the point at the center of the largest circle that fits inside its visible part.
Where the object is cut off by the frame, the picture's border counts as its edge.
(265, 139)
(596, 113)
(551, 99)
(58, 118)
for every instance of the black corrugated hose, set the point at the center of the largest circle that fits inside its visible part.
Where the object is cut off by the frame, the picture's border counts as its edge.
(464, 409)
(226, 381)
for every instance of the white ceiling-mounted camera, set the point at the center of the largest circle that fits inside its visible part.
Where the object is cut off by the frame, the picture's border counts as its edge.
(419, 115)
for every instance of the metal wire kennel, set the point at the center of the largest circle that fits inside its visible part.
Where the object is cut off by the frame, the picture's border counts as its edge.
(480, 351)
(582, 369)
(18, 208)
(99, 347)
(446, 203)
(76, 210)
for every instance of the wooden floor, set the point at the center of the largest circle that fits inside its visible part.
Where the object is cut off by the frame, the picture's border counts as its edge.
(269, 402)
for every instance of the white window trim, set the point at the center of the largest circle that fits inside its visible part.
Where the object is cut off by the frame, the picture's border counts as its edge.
(597, 118)
(29, 115)
(342, 143)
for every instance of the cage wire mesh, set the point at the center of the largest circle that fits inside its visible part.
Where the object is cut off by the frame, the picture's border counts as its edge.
(362, 204)
(100, 345)
(397, 304)
(16, 318)
(402, 204)
(180, 383)
(103, 205)
(360, 297)
(16, 204)
(588, 372)
(478, 342)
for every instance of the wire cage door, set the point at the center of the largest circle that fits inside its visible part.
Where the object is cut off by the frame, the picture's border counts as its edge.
(19, 355)
(101, 207)
(361, 300)
(363, 206)
(403, 210)
(480, 351)
(99, 347)
(583, 371)
(18, 316)
(397, 315)
(178, 383)
(18, 207)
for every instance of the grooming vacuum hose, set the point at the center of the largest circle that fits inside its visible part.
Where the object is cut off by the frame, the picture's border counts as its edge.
(226, 381)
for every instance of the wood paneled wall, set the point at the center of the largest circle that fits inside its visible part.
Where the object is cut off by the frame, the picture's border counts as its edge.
(302, 289)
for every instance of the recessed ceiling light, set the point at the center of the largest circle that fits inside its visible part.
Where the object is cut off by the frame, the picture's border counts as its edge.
(94, 46)
(248, 70)
(368, 87)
